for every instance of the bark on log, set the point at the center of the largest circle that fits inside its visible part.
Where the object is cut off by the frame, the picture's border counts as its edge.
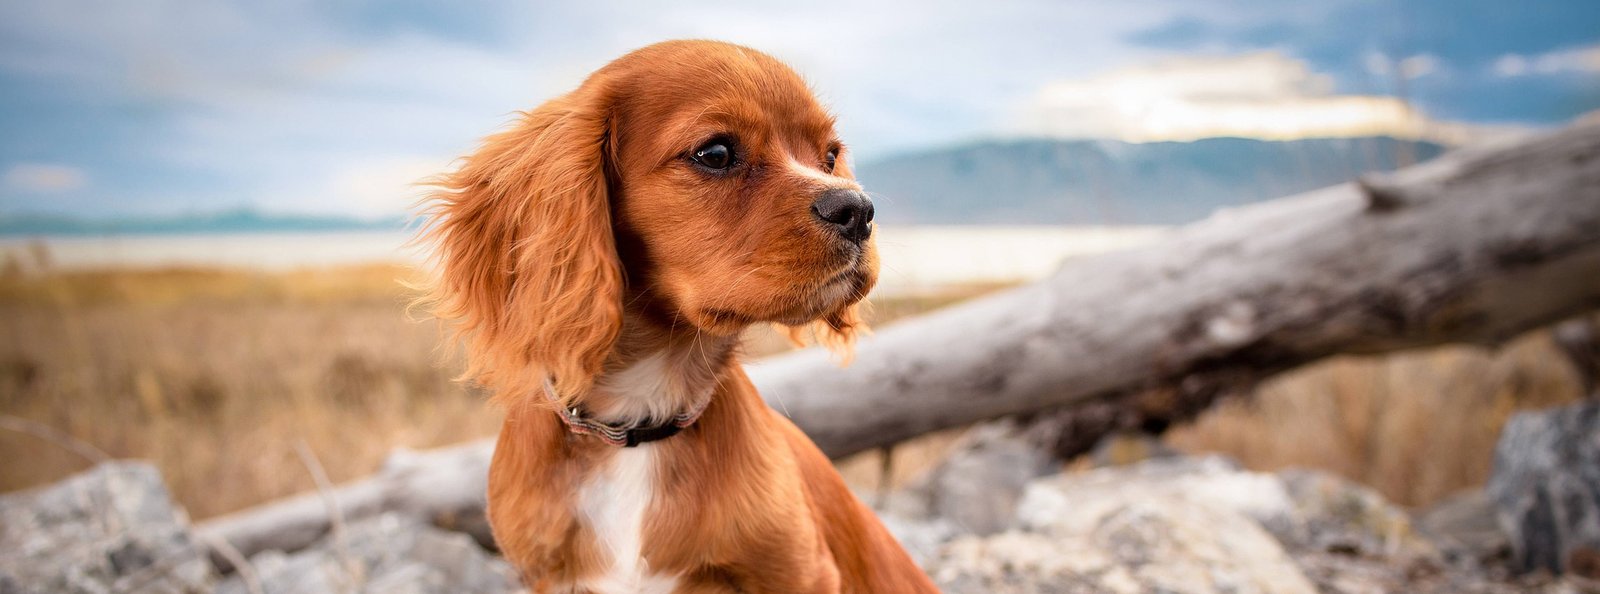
(445, 486)
(1476, 246)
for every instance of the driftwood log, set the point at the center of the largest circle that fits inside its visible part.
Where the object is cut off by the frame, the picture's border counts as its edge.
(445, 486)
(1475, 247)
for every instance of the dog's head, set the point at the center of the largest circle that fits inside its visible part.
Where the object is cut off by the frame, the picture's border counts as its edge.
(697, 182)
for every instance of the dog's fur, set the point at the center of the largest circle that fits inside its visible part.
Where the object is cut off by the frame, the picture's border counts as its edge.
(588, 261)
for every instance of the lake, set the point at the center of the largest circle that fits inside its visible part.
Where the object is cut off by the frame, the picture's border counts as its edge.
(914, 258)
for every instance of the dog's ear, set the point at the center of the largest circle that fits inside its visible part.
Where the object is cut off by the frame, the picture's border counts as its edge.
(528, 273)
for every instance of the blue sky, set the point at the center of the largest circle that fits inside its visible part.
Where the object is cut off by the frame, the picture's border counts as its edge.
(145, 108)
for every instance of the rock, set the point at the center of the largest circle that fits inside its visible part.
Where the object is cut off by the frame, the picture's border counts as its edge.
(1142, 542)
(1466, 530)
(1209, 481)
(1345, 574)
(1170, 525)
(110, 529)
(1546, 485)
(1335, 515)
(386, 553)
(1305, 510)
(978, 485)
(921, 539)
(976, 489)
(1204, 525)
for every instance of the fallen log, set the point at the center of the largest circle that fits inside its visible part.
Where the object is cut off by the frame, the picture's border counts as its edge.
(1476, 246)
(444, 486)
(1473, 247)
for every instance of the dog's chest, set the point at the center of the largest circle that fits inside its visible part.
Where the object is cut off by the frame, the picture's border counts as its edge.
(613, 504)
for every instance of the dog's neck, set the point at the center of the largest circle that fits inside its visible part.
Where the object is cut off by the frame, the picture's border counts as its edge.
(657, 372)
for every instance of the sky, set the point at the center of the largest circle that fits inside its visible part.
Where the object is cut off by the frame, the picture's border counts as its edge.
(113, 108)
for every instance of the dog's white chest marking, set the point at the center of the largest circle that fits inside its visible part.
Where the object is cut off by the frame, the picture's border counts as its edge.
(613, 504)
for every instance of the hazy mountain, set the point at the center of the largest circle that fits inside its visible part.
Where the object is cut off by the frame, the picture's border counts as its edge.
(1100, 181)
(999, 182)
(229, 221)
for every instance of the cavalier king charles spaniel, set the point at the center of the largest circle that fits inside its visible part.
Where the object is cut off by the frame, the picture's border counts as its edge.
(600, 259)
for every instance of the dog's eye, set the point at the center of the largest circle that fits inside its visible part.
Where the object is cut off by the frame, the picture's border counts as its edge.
(717, 154)
(830, 160)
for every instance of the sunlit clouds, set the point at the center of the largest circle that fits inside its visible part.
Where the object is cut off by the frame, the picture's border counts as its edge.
(339, 107)
(384, 186)
(1574, 60)
(1261, 95)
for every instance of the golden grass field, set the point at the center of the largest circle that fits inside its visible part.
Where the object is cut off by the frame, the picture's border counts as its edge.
(216, 375)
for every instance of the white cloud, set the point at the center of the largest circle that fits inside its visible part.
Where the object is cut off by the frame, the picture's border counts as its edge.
(383, 187)
(1377, 63)
(1511, 65)
(225, 61)
(1579, 60)
(1419, 65)
(289, 109)
(1263, 95)
(44, 177)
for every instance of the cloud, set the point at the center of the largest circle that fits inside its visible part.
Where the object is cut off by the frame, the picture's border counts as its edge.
(1260, 95)
(1579, 60)
(323, 107)
(44, 178)
(1239, 27)
(305, 105)
(383, 187)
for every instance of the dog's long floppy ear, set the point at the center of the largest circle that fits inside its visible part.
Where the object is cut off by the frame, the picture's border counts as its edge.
(528, 272)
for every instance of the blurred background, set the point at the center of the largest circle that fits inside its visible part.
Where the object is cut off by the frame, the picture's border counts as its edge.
(203, 205)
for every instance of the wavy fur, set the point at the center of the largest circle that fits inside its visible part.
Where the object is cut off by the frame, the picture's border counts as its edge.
(586, 245)
(528, 269)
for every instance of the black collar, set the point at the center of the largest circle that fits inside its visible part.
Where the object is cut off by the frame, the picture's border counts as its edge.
(627, 435)
(631, 434)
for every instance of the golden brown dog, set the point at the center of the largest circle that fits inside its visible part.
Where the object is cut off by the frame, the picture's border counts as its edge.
(600, 258)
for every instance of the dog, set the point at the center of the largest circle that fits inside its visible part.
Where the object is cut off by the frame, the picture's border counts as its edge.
(599, 259)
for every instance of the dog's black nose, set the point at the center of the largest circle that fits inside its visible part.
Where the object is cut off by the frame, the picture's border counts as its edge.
(848, 211)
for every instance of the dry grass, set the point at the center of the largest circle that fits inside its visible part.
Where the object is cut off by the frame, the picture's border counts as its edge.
(215, 375)
(1417, 426)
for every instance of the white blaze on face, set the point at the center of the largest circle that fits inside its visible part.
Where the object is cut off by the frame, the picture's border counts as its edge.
(613, 505)
(823, 180)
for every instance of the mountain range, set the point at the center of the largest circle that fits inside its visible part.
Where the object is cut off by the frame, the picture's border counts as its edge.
(238, 220)
(978, 183)
(1110, 182)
